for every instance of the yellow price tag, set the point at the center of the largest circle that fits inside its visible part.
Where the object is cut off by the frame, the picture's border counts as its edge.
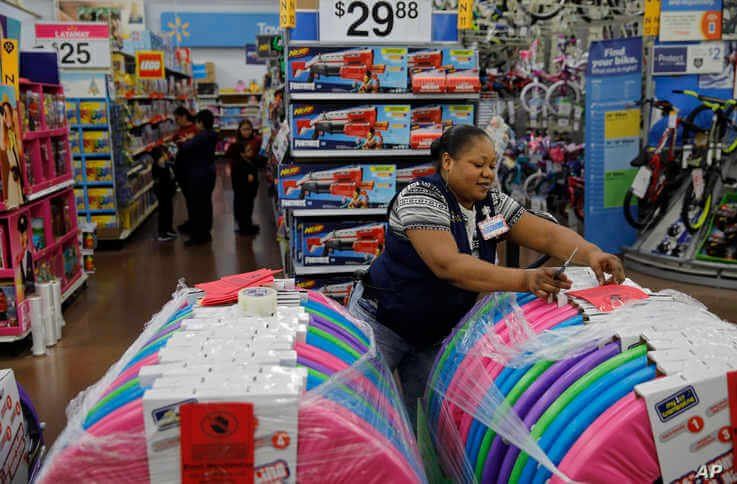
(287, 14)
(651, 21)
(465, 14)
(9, 60)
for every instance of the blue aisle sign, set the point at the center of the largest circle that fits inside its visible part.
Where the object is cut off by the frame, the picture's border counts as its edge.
(232, 29)
(612, 137)
(199, 71)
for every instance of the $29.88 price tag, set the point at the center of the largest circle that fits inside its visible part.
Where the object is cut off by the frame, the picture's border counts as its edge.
(375, 21)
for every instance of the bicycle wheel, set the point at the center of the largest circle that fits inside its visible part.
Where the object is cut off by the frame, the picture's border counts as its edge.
(537, 9)
(697, 207)
(729, 128)
(561, 96)
(533, 97)
(510, 181)
(646, 214)
(631, 8)
(593, 10)
(532, 184)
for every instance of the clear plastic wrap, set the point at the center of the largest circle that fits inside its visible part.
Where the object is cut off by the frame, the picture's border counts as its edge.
(519, 373)
(351, 423)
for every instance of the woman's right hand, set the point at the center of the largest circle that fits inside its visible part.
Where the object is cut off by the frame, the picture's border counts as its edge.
(543, 282)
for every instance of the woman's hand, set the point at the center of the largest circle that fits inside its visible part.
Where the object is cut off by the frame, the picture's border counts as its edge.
(601, 262)
(543, 282)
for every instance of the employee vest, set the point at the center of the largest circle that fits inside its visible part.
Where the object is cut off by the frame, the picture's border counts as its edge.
(411, 300)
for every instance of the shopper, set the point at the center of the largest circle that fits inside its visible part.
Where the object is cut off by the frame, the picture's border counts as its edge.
(440, 254)
(244, 164)
(165, 188)
(198, 156)
(187, 130)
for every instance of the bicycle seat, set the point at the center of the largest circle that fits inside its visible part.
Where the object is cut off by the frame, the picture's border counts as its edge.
(640, 160)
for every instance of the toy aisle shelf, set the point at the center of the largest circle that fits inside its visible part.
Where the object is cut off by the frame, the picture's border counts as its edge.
(337, 212)
(50, 190)
(337, 154)
(400, 96)
(74, 286)
(303, 270)
(128, 232)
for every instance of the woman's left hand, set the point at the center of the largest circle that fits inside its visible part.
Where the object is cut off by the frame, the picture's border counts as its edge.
(602, 262)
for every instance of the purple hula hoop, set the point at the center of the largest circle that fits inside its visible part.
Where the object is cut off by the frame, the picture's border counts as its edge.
(521, 407)
(301, 360)
(556, 389)
(338, 333)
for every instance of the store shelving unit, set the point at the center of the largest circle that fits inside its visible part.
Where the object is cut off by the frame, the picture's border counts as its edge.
(294, 216)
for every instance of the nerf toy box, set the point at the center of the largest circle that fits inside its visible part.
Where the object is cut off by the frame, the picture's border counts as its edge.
(368, 127)
(339, 243)
(429, 122)
(444, 70)
(324, 186)
(364, 70)
(338, 288)
(408, 172)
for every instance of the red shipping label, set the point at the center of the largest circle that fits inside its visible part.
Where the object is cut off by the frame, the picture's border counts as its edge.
(217, 442)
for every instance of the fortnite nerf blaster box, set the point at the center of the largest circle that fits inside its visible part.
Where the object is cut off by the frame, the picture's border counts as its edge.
(363, 70)
(338, 288)
(341, 243)
(444, 70)
(429, 122)
(324, 186)
(368, 127)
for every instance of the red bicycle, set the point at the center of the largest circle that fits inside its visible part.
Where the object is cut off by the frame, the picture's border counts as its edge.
(660, 173)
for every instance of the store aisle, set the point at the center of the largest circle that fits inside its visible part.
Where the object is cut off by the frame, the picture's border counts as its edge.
(130, 285)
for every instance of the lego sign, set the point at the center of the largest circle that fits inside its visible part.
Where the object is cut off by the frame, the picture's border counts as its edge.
(376, 21)
(150, 64)
(78, 44)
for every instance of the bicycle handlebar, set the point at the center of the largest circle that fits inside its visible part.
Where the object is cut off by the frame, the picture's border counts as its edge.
(706, 99)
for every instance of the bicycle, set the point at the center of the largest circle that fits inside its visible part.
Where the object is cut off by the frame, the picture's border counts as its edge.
(708, 170)
(659, 175)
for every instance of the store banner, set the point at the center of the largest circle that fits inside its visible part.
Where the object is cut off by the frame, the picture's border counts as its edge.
(150, 64)
(701, 58)
(682, 20)
(9, 60)
(78, 44)
(612, 137)
(226, 29)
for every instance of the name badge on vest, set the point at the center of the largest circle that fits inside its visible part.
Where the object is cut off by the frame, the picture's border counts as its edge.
(492, 227)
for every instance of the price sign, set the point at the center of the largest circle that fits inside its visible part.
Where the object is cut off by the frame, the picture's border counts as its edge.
(150, 64)
(78, 44)
(376, 21)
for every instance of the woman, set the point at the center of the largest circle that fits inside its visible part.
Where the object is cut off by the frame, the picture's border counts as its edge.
(198, 155)
(187, 129)
(440, 255)
(244, 164)
(9, 145)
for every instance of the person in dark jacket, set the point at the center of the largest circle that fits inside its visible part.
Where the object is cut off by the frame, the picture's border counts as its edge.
(165, 188)
(244, 164)
(187, 130)
(198, 155)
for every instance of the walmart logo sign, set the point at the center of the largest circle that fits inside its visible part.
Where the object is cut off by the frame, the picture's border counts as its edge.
(193, 29)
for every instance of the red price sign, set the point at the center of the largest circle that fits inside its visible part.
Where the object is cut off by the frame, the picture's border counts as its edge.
(150, 64)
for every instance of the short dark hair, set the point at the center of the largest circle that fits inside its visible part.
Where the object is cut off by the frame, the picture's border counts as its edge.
(182, 111)
(455, 141)
(205, 118)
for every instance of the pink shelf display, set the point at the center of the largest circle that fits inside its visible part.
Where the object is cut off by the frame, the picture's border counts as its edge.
(39, 242)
